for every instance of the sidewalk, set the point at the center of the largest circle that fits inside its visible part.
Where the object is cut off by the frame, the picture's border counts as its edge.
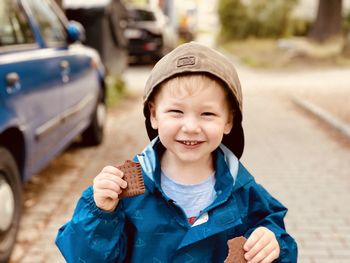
(327, 98)
(298, 161)
(322, 93)
(328, 112)
(334, 99)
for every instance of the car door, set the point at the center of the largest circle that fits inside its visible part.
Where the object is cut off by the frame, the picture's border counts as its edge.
(32, 79)
(79, 80)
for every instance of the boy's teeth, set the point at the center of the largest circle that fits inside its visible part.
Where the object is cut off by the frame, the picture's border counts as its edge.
(190, 142)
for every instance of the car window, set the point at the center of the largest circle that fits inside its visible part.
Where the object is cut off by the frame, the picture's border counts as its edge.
(49, 23)
(141, 15)
(15, 28)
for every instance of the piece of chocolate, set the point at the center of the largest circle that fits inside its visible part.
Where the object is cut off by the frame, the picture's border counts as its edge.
(133, 176)
(235, 250)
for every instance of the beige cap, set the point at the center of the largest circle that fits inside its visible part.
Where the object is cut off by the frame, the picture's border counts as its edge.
(196, 58)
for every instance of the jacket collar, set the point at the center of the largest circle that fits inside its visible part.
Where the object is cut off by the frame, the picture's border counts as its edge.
(234, 174)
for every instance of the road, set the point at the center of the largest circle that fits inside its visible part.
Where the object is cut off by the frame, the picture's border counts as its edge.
(298, 159)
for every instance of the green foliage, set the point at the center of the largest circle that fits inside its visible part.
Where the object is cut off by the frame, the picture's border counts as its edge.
(233, 16)
(255, 18)
(346, 23)
(300, 26)
(115, 89)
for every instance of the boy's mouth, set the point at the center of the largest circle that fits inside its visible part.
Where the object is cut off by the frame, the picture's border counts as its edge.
(190, 143)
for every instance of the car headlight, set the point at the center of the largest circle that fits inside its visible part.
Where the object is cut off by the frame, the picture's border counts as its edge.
(132, 33)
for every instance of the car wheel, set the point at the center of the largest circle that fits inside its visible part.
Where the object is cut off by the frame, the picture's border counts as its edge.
(93, 135)
(11, 203)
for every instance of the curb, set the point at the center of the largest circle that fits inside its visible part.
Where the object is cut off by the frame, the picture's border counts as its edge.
(323, 115)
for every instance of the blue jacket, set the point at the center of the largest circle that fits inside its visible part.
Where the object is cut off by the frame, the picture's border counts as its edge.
(151, 228)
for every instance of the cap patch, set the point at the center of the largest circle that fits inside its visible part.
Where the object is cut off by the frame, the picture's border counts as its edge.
(186, 61)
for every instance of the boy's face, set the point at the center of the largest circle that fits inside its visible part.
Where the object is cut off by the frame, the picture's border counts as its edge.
(191, 119)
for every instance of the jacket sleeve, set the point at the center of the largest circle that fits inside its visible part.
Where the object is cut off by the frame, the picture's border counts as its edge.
(93, 235)
(264, 210)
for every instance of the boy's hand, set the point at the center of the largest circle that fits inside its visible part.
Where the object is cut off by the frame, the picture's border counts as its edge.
(107, 186)
(261, 246)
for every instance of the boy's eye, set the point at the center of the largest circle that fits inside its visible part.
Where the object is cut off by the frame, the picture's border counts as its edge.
(208, 113)
(174, 111)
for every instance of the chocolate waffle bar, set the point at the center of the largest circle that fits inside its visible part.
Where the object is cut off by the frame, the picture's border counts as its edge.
(133, 176)
(235, 250)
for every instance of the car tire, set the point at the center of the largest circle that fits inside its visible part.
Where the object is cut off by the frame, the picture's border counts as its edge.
(11, 203)
(94, 133)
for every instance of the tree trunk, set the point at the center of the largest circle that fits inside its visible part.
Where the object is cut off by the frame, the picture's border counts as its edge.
(328, 21)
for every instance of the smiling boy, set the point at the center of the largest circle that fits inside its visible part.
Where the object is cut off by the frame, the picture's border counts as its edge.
(191, 114)
(198, 195)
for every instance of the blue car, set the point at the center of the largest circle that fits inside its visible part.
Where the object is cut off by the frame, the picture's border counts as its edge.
(52, 89)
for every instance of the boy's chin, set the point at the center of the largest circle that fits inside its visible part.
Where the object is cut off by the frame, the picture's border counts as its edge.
(189, 158)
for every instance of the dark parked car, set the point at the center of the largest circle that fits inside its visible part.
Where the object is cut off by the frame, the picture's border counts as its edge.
(51, 90)
(149, 32)
(104, 23)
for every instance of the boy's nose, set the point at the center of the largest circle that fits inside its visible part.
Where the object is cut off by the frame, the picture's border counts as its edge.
(191, 126)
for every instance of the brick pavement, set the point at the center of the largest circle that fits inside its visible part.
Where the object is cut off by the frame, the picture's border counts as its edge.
(304, 166)
(294, 157)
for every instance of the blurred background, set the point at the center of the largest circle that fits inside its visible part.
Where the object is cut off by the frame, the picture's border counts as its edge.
(59, 128)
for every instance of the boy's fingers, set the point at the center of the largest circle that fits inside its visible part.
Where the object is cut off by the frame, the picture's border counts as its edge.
(112, 170)
(111, 177)
(253, 239)
(122, 183)
(116, 184)
(263, 251)
(105, 176)
(273, 255)
(106, 184)
(259, 245)
(106, 193)
(256, 249)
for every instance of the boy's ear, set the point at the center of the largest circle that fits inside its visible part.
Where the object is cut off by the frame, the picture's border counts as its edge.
(152, 111)
(229, 124)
